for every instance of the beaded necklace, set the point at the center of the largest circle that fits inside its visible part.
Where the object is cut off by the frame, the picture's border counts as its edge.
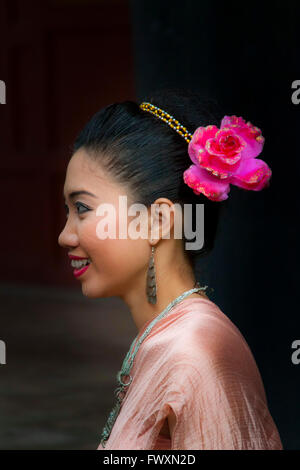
(127, 365)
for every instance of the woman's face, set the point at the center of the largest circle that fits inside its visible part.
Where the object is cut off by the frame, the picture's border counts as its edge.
(116, 264)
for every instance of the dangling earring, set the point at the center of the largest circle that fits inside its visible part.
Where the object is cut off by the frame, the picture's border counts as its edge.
(151, 280)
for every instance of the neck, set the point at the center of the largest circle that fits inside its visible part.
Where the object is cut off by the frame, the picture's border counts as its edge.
(170, 285)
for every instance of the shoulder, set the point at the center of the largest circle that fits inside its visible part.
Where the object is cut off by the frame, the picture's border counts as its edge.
(205, 340)
(203, 326)
(197, 339)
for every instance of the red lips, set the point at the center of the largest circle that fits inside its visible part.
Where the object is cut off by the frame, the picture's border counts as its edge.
(76, 257)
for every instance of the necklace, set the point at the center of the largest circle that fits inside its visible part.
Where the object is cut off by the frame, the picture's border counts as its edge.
(128, 362)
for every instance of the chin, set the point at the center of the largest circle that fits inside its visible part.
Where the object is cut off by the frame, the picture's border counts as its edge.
(90, 292)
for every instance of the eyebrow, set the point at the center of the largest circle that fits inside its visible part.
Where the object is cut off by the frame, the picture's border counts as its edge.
(77, 193)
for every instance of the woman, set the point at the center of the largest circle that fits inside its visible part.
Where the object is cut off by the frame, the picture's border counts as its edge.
(189, 380)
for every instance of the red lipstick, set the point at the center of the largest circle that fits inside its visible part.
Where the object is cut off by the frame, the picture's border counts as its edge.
(76, 257)
(78, 272)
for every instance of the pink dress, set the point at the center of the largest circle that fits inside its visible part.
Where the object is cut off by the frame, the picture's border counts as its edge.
(196, 362)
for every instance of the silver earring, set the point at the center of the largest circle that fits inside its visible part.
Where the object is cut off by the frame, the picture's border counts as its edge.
(151, 280)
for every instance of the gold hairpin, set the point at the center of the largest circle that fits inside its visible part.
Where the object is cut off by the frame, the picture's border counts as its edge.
(170, 120)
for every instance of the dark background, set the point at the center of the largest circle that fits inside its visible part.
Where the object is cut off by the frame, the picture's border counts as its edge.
(61, 62)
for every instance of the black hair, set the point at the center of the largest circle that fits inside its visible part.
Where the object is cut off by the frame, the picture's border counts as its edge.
(149, 157)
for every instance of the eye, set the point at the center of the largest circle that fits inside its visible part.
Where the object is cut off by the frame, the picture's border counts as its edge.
(80, 205)
(67, 210)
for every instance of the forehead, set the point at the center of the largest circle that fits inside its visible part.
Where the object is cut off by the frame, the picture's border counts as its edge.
(82, 166)
(84, 173)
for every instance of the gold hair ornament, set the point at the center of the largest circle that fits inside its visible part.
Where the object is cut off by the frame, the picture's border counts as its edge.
(170, 120)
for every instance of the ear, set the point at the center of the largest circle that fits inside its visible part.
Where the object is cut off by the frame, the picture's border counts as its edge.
(161, 218)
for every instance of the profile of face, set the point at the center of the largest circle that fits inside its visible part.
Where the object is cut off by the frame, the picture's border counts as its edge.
(116, 264)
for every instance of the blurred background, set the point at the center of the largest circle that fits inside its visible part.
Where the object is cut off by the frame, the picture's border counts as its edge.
(63, 60)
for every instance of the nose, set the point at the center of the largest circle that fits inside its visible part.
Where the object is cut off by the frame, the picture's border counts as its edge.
(68, 237)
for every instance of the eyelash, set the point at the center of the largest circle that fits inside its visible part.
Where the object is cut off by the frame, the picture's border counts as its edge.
(77, 204)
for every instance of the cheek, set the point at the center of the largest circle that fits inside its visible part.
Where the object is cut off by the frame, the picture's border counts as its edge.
(87, 236)
(117, 256)
(121, 257)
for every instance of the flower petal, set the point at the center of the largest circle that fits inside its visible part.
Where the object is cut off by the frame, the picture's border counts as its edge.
(226, 143)
(222, 167)
(231, 121)
(201, 181)
(199, 138)
(254, 142)
(253, 173)
(250, 133)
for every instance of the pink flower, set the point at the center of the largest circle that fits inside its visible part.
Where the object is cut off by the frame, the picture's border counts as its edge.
(226, 156)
